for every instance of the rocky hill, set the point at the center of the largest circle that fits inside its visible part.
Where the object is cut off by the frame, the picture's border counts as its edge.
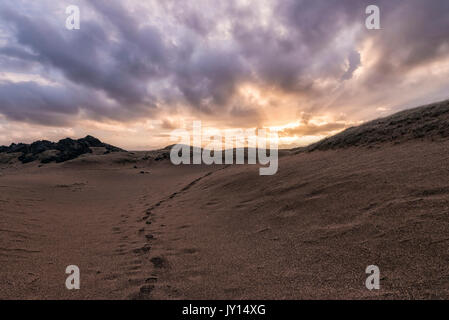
(63, 150)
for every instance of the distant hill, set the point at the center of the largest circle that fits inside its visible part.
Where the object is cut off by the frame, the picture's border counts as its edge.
(426, 122)
(63, 150)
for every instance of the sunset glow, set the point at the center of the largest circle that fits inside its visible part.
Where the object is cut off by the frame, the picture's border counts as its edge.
(135, 71)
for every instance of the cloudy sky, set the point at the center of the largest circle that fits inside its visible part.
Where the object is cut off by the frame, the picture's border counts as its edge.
(138, 69)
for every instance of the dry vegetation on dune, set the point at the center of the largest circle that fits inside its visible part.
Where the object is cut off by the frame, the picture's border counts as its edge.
(428, 122)
(141, 228)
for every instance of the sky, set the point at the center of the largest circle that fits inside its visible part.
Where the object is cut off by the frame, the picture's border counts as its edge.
(136, 70)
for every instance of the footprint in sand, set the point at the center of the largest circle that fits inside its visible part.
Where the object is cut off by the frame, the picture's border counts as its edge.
(149, 236)
(189, 250)
(151, 280)
(146, 289)
(135, 282)
(146, 248)
(116, 230)
(159, 262)
(144, 292)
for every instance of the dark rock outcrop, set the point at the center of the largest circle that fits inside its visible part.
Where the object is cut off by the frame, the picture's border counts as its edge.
(63, 150)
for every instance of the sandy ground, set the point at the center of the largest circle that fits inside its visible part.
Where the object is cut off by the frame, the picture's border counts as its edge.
(214, 232)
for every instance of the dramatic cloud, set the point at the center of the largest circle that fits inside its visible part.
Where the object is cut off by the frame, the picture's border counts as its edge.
(143, 68)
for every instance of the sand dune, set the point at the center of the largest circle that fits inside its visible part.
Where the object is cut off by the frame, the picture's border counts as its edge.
(145, 229)
(311, 230)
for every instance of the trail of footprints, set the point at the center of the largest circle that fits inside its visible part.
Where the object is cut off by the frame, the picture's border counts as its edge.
(134, 267)
(147, 285)
(148, 219)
